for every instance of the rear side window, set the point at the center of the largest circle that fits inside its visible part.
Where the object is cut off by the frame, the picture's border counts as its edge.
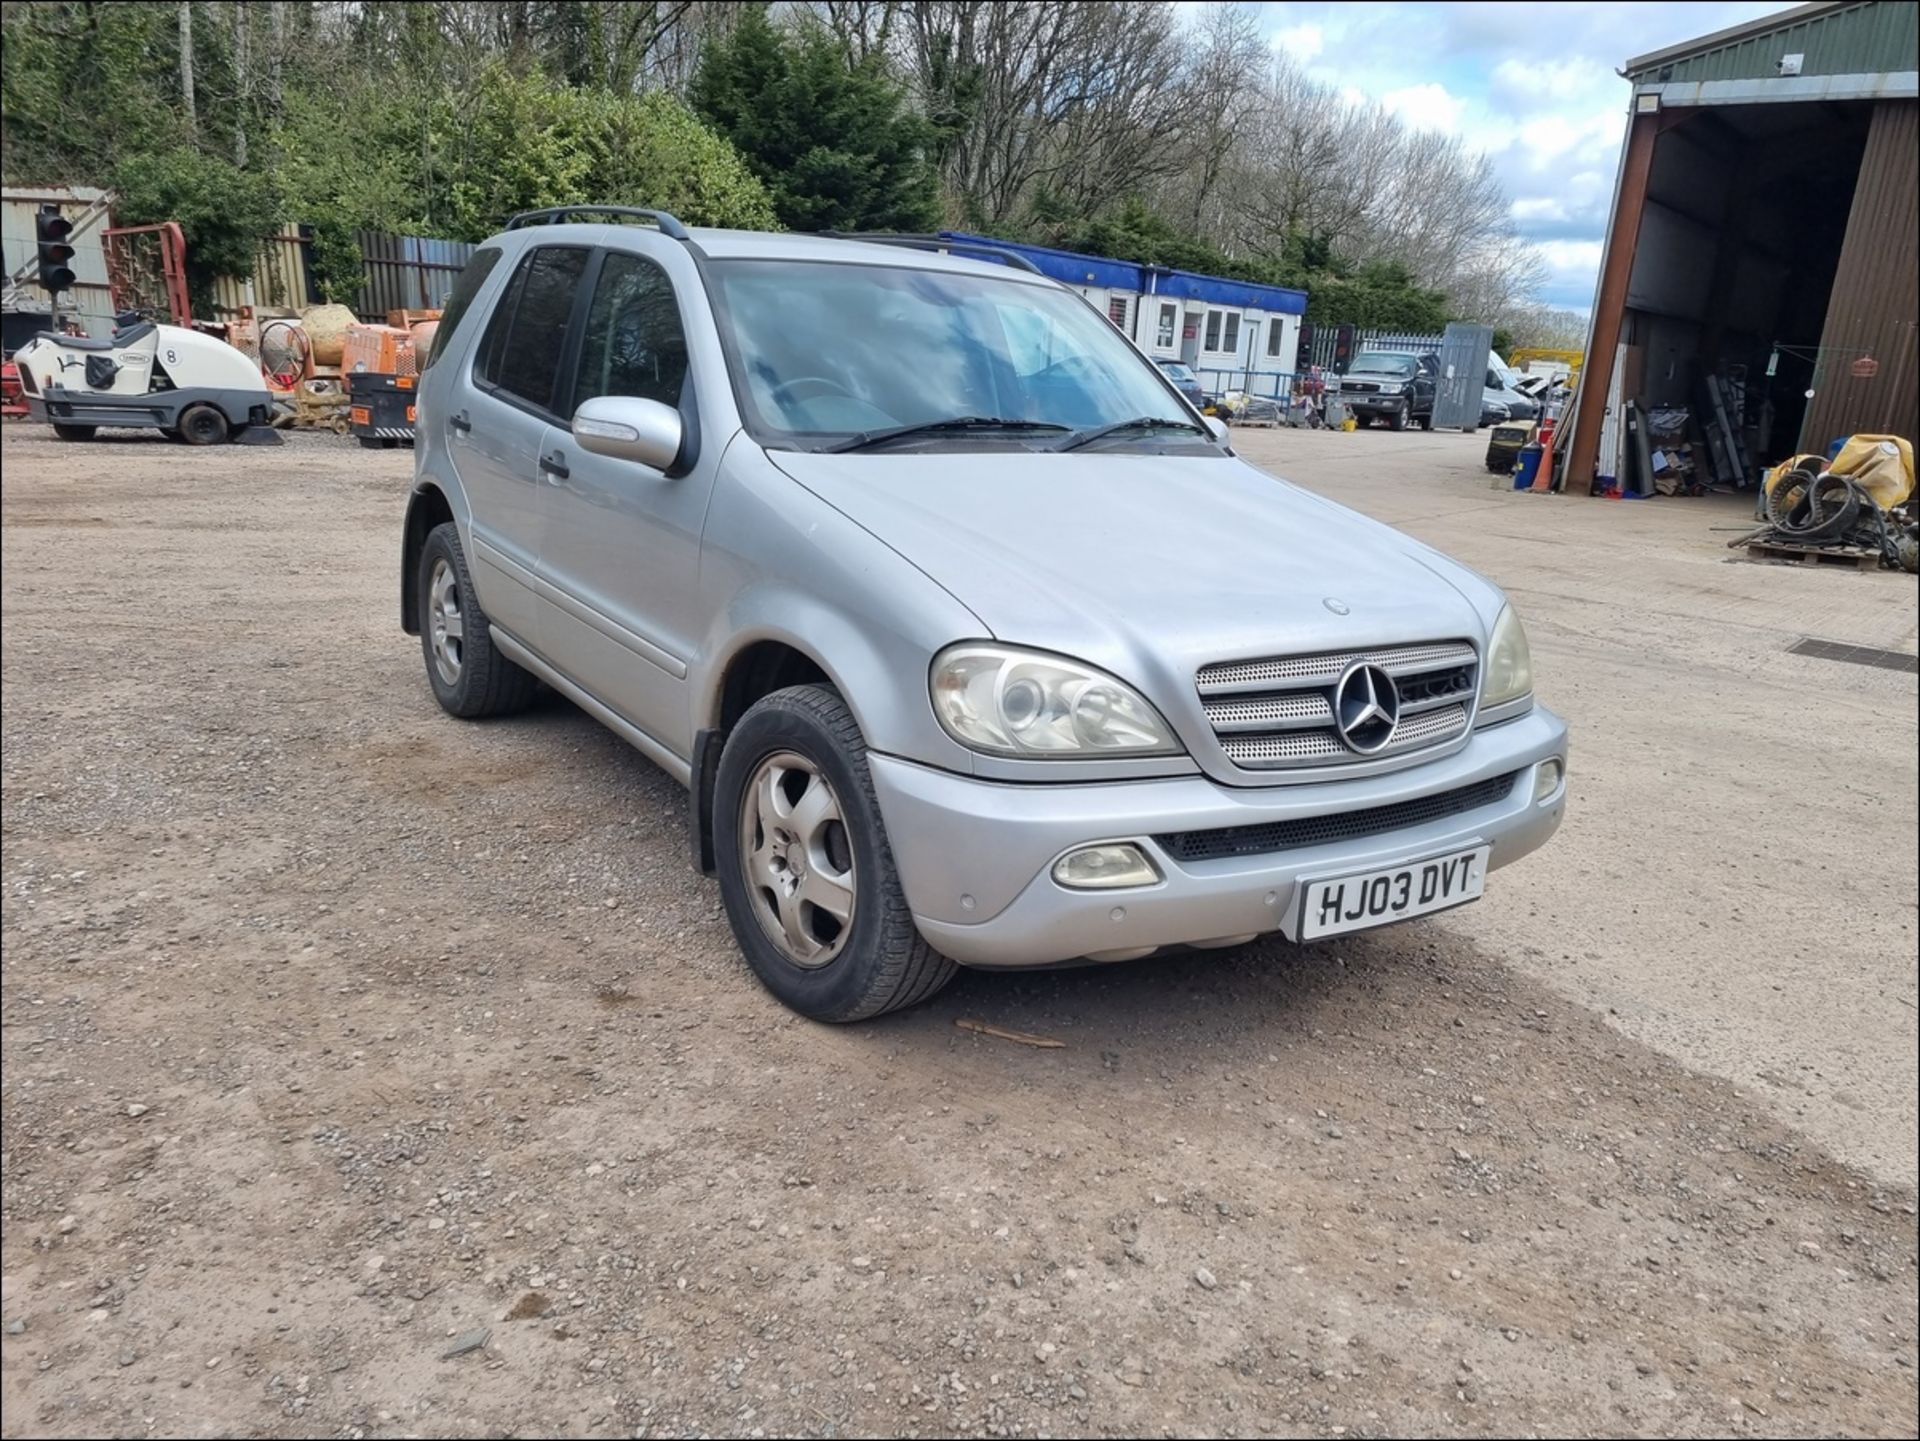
(528, 335)
(472, 277)
(634, 344)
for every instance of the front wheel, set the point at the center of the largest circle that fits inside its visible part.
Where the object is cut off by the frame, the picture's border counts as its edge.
(806, 870)
(202, 425)
(1398, 420)
(73, 432)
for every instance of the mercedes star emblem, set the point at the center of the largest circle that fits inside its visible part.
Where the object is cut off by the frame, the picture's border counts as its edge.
(1366, 708)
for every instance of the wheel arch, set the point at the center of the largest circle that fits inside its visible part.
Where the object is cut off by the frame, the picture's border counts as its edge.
(427, 508)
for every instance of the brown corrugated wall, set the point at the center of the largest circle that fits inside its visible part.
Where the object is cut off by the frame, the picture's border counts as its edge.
(1875, 307)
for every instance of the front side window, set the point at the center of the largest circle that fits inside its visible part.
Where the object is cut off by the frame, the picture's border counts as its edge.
(1164, 334)
(1213, 330)
(1276, 332)
(528, 336)
(633, 344)
(1230, 338)
(823, 351)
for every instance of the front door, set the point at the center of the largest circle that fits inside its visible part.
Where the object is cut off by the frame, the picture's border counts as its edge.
(620, 543)
(497, 438)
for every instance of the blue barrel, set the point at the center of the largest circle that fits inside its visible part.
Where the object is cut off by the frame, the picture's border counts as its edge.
(1834, 449)
(1527, 467)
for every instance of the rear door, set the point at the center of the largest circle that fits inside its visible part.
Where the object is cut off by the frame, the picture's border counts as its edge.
(503, 427)
(620, 541)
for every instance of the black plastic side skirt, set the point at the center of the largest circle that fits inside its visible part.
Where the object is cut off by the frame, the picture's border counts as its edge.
(706, 766)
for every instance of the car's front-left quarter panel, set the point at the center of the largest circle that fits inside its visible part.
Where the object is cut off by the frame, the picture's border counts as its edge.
(779, 564)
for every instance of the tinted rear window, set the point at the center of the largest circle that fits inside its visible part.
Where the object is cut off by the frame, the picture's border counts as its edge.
(464, 289)
(525, 347)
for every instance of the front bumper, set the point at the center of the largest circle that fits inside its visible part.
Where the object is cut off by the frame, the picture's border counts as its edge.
(975, 857)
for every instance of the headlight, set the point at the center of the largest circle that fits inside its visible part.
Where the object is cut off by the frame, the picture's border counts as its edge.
(1509, 664)
(1014, 702)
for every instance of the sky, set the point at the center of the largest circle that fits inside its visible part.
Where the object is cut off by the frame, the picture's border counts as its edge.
(1532, 85)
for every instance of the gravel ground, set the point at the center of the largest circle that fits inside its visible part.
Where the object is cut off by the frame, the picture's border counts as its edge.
(368, 1073)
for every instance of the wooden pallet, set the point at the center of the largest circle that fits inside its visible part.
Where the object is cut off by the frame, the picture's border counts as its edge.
(1815, 555)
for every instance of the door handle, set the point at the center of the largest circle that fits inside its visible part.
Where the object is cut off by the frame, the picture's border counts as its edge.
(555, 465)
(460, 421)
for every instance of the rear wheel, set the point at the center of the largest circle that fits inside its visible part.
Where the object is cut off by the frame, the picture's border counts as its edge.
(805, 868)
(469, 676)
(202, 425)
(73, 432)
(1398, 420)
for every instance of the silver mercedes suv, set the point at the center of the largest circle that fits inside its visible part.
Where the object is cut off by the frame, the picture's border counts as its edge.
(973, 642)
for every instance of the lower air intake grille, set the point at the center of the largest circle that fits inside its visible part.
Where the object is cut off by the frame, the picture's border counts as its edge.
(1344, 826)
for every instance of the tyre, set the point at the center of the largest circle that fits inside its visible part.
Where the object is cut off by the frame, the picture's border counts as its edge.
(805, 868)
(1425, 422)
(469, 676)
(370, 442)
(1398, 420)
(202, 425)
(74, 432)
(171, 434)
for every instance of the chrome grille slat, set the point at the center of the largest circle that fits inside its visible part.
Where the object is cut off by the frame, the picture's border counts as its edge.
(1296, 672)
(1277, 713)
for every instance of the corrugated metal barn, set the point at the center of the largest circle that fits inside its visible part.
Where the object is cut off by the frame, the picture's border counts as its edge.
(1764, 233)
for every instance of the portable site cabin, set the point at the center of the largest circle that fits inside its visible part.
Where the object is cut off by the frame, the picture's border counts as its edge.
(1235, 334)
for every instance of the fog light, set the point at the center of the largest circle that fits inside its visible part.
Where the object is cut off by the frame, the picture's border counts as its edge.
(1546, 780)
(1100, 868)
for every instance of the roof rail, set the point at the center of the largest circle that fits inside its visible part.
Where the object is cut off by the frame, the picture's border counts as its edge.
(937, 243)
(668, 224)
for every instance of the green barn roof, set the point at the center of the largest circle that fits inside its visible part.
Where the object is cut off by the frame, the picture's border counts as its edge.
(1865, 37)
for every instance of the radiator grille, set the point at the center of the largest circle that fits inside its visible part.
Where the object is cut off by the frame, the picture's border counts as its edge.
(1278, 712)
(1320, 830)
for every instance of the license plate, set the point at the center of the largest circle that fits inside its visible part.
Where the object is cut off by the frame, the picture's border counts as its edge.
(360, 415)
(1339, 904)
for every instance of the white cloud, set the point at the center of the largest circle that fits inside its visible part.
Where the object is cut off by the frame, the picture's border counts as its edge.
(1535, 88)
(1426, 107)
(1303, 42)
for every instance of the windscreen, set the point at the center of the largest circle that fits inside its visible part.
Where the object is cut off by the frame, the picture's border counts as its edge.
(822, 351)
(1379, 364)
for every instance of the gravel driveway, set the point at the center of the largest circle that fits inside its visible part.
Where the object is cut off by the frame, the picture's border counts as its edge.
(367, 1073)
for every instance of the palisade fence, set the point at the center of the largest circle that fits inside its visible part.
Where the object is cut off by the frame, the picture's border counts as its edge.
(1326, 341)
(402, 272)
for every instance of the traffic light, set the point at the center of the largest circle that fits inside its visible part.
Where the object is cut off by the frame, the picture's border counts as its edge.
(52, 229)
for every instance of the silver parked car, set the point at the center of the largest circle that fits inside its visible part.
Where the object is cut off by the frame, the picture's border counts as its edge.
(972, 641)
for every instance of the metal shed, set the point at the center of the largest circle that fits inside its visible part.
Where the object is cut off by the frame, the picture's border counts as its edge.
(1763, 232)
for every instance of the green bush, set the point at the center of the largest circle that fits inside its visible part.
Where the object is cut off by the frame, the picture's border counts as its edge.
(224, 212)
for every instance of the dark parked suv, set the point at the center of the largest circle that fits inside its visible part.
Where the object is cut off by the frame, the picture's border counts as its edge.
(1390, 386)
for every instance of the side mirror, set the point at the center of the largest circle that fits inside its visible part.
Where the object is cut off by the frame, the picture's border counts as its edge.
(1217, 427)
(629, 428)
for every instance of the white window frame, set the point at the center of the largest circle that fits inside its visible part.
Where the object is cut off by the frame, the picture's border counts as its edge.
(1210, 332)
(1166, 335)
(1276, 337)
(1230, 333)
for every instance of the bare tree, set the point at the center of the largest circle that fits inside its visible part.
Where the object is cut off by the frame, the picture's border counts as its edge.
(186, 64)
(242, 76)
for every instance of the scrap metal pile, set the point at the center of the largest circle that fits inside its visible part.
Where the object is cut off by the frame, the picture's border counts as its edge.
(1856, 505)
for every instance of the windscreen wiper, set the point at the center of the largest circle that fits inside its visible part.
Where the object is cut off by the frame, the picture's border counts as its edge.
(935, 427)
(1139, 422)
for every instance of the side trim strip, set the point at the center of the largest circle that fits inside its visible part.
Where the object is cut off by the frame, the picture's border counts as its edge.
(672, 764)
(647, 650)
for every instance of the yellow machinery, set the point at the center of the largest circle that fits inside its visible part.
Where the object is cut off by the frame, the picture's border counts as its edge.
(1570, 358)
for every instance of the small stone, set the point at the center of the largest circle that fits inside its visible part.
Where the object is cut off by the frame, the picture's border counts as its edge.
(437, 1223)
(1078, 1393)
(610, 902)
(469, 1341)
(756, 1223)
(127, 1358)
(1044, 1351)
(1643, 1368)
(1132, 1372)
(374, 1264)
(15, 1328)
(1479, 1100)
(66, 1225)
(1808, 1248)
(1454, 1274)
(136, 1109)
(862, 1263)
(213, 1363)
(1334, 1133)
(1204, 1279)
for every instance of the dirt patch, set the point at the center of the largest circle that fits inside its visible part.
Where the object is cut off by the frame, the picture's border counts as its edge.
(319, 1060)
